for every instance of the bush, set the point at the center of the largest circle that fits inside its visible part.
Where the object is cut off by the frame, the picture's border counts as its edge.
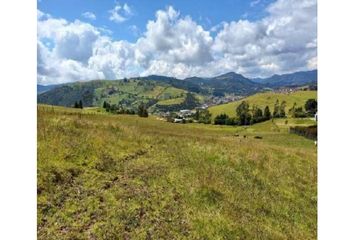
(308, 132)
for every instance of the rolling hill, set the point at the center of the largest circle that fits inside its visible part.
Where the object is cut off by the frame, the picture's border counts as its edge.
(292, 79)
(160, 89)
(105, 176)
(228, 83)
(265, 99)
(45, 88)
(128, 93)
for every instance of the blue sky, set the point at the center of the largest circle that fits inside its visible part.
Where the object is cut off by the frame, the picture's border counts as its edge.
(207, 13)
(90, 39)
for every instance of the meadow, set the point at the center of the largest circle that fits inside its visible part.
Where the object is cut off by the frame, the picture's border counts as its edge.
(266, 99)
(103, 176)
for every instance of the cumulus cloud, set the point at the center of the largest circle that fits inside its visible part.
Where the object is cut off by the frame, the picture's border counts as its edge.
(283, 41)
(89, 15)
(175, 45)
(120, 13)
(174, 40)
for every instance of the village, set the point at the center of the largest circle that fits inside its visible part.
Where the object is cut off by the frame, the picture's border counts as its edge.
(187, 115)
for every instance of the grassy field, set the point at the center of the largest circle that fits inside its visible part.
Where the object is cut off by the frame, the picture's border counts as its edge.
(171, 101)
(103, 176)
(264, 99)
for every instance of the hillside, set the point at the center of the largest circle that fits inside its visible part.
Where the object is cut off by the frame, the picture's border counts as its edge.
(266, 99)
(103, 176)
(129, 93)
(227, 83)
(292, 79)
(154, 90)
(45, 88)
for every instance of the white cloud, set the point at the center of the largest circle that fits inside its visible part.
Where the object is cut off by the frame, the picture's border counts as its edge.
(72, 40)
(284, 41)
(120, 13)
(254, 3)
(89, 15)
(174, 45)
(174, 40)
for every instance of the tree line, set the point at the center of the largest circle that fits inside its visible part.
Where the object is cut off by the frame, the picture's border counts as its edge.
(119, 109)
(246, 115)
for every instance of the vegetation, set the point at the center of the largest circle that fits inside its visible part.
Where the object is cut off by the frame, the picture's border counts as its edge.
(244, 116)
(105, 176)
(308, 132)
(128, 93)
(279, 110)
(78, 104)
(203, 116)
(224, 119)
(311, 106)
(189, 102)
(266, 99)
(142, 111)
(117, 109)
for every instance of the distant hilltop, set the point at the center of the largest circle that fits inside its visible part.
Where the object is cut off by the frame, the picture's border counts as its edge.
(168, 93)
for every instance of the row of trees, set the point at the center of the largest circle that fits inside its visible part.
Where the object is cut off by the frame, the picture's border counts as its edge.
(248, 116)
(119, 109)
(203, 116)
(244, 115)
(78, 104)
(299, 112)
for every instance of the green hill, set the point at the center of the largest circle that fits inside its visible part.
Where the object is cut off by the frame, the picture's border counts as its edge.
(265, 99)
(103, 176)
(128, 93)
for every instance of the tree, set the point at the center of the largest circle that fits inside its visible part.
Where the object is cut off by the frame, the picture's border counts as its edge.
(311, 106)
(105, 104)
(276, 109)
(292, 110)
(221, 119)
(267, 114)
(76, 105)
(80, 104)
(257, 114)
(242, 113)
(204, 116)
(197, 114)
(282, 109)
(142, 111)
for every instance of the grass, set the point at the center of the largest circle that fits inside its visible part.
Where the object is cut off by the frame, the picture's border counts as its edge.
(266, 99)
(171, 101)
(103, 176)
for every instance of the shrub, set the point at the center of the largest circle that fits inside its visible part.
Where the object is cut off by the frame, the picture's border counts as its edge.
(308, 132)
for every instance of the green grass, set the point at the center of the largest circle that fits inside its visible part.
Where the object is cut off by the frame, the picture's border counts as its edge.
(264, 99)
(171, 101)
(103, 176)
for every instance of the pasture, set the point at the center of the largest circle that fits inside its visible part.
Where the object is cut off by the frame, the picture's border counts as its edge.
(266, 99)
(103, 176)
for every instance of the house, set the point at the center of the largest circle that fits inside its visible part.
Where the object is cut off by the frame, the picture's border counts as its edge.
(185, 113)
(177, 120)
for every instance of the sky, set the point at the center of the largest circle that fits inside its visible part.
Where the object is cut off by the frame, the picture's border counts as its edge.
(80, 40)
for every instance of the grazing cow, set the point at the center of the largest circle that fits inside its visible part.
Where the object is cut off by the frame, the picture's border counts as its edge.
(244, 136)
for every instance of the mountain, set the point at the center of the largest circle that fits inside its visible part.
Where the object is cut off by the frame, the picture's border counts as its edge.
(292, 79)
(177, 83)
(158, 91)
(43, 88)
(128, 93)
(228, 83)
